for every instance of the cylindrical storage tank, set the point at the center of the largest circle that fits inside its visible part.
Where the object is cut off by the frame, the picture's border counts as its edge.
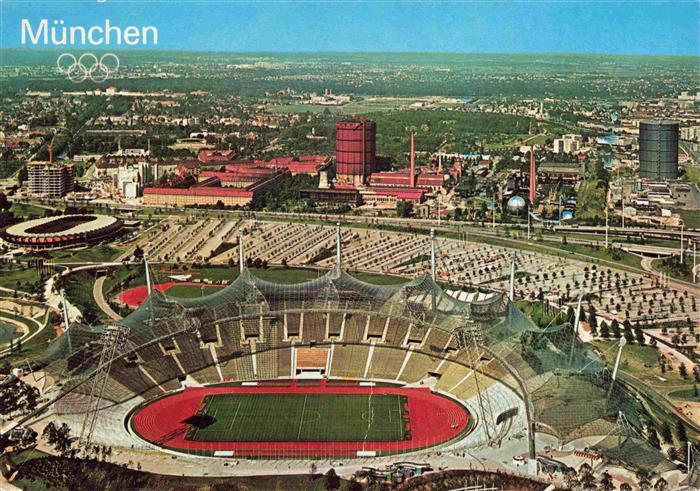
(658, 149)
(355, 150)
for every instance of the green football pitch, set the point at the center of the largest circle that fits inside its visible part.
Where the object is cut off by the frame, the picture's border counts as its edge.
(301, 417)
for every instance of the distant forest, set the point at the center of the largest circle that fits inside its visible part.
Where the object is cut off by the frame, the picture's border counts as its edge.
(397, 74)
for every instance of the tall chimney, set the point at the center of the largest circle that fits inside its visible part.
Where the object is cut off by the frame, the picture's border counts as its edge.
(412, 178)
(533, 177)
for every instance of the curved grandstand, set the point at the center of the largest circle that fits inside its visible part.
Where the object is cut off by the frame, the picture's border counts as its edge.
(62, 231)
(391, 361)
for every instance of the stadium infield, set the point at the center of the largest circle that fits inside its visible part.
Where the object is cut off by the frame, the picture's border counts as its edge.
(301, 417)
(300, 420)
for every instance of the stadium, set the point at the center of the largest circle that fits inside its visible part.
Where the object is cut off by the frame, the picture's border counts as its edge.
(338, 368)
(63, 231)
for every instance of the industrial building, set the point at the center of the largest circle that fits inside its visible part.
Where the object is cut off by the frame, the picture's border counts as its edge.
(52, 180)
(429, 181)
(658, 149)
(305, 164)
(566, 172)
(355, 150)
(332, 197)
(211, 190)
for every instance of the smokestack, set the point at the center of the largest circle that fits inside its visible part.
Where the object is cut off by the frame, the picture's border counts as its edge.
(533, 177)
(412, 179)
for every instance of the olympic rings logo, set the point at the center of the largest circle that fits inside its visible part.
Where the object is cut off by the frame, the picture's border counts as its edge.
(87, 67)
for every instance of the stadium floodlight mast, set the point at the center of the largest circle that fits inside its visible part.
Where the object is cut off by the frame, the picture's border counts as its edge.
(511, 289)
(529, 215)
(623, 342)
(606, 226)
(433, 272)
(113, 339)
(576, 322)
(65, 318)
(240, 250)
(148, 275)
(682, 251)
(337, 244)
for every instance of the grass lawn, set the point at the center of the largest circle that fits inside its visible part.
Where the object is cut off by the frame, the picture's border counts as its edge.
(620, 258)
(691, 218)
(35, 347)
(192, 291)
(19, 458)
(96, 254)
(78, 288)
(641, 362)
(11, 274)
(58, 473)
(692, 174)
(27, 211)
(301, 417)
(8, 331)
(685, 394)
(674, 270)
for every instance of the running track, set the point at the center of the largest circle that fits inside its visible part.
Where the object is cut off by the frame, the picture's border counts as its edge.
(434, 419)
(135, 296)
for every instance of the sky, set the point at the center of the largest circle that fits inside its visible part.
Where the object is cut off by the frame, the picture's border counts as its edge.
(619, 27)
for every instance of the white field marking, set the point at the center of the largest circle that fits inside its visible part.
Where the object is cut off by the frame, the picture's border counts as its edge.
(400, 418)
(230, 425)
(301, 421)
(206, 411)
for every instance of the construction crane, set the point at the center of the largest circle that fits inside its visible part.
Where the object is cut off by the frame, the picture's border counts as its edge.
(53, 138)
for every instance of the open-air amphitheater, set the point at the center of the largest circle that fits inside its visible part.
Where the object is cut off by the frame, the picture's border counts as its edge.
(614, 293)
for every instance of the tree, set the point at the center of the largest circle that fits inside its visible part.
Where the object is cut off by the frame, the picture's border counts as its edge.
(625, 487)
(571, 479)
(615, 328)
(683, 370)
(592, 318)
(666, 433)
(586, 478)
(404, 209)
(332, 481)
(17, 396)
(639, 335)
(661, 485)
(653, 438)
(4, 203)
(606, 482)
(681, 434)
(138, 253)
(643, 479)
(58, 437)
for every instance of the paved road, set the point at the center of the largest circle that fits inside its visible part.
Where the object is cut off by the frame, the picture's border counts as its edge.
(101, 301)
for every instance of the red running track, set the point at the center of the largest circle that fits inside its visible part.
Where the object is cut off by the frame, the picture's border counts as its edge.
(135, 296)
(434, 419)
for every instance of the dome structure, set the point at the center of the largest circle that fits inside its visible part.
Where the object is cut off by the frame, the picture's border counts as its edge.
(516, 205)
